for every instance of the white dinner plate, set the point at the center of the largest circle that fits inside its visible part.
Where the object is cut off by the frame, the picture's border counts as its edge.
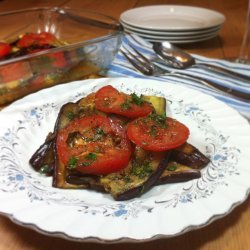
(172, 17)
(171, 33)
(176, 37)
(177, 40)
(28, 198)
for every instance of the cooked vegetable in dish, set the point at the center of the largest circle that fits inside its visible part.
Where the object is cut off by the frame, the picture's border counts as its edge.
(29, 43)
(117, 143)
(42, 65)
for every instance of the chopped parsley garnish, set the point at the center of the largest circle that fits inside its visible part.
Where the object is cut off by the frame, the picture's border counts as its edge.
(72, 163)
(99, 134)
(141, 170)
(45, 169)
(99, 131)
(171, 168)
(153, 131)
(159, 119)
(70, 115)
(91, 156)
(127, 179)
(126, 105)
(136, 99)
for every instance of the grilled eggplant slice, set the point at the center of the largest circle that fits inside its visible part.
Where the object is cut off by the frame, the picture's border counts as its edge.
(88, 181)
(190, 156)
(138, 177)
(43, 159)
(176, 172)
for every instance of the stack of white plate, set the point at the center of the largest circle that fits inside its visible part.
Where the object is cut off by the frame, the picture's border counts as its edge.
(174, 23)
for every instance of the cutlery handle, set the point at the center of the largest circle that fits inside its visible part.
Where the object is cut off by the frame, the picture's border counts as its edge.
(223, 71)
(222, 89)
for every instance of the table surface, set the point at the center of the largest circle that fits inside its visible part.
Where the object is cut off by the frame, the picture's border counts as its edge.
(230, 232)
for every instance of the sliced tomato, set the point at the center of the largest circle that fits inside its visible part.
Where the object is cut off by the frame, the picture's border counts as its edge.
(5, 49)
(110, 100)
(46, 38)
(94, 145)
(58, 59)
(28, 40)
(15, 71)
(32, 39)
(156, 133)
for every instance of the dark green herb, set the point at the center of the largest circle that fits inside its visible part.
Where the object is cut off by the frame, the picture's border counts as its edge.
(45, 169)
(136, 99)
(159, 119)
(99, 134)
(99, 131)
(153, 131)
(91, 156)
(70, 115)
(126, 105)
(141, 170)
(171, 168)
(72, 163)
(127, 179)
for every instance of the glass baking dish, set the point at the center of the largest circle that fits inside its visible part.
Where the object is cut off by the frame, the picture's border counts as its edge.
(90, 43)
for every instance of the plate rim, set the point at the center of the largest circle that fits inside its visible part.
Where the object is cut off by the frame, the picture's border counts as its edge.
(172, 33)
(177, 37)
(179, 41)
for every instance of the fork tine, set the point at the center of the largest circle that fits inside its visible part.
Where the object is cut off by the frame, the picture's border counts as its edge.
(136, 65)
(138, 61)
(146, 60)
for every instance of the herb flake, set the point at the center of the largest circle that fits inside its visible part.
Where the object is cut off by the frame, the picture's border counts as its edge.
(136, 99)
(171, 168)
(141, 170)
(126, 104)
(45, 169)
(91, 156)
(72, 163)
(70, 115)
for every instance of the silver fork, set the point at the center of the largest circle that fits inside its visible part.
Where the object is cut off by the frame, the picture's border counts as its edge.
(149, 68)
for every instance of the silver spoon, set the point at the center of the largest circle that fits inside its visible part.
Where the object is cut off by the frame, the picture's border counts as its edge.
(177, 58)
(150, 68)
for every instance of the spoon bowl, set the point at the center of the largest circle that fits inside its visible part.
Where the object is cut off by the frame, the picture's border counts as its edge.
(172, 55)
(179, 59)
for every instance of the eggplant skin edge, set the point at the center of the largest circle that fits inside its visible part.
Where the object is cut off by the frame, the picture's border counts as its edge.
(138, 191)
(179, 177)
(189, 155)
